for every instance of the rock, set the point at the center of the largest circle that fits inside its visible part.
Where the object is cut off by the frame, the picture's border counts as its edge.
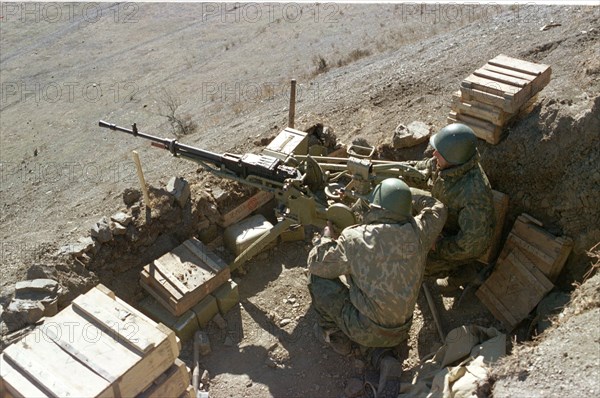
(205, 378)
(131, 195)
(228, 342)
(203, 342)
(117, 229)
(270, 363)
(411, 135)
(122, 218)
(220, 322)
(180, 189)
(354, 388)
(43, 271)
(285, 321)
(101, 231)
(45, 291)
(90, 244)
(46, 287)
(359, 365)
(21, 313)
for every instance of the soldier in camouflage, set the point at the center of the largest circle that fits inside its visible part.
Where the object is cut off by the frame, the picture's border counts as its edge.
(382, 261)
(456, 178)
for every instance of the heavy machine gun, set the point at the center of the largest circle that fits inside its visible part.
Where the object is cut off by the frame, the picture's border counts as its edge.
(309, 190)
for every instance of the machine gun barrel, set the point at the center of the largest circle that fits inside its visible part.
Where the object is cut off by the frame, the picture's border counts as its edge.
(237, 167)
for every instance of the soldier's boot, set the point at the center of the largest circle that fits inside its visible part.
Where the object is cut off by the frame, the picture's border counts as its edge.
(461, 277)
(336, 339)
(389, 369)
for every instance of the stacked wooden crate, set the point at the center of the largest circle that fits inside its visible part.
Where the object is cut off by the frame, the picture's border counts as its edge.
(529, 263)
(188, 286)
(494, 94)
(184, 276)
(99, 346)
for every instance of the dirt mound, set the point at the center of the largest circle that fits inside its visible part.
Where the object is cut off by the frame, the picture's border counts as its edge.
(548, 167)
(563, 360)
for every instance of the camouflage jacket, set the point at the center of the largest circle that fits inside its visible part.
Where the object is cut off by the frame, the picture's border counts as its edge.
(466, 192)
(383, 260)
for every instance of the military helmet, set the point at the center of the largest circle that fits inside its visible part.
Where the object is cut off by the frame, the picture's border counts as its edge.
(455, 142)
(394, 195)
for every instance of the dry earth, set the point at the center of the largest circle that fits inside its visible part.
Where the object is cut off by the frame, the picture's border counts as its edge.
(361, 69)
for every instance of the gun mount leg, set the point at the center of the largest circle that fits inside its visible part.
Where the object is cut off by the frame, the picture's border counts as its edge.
(261, 242)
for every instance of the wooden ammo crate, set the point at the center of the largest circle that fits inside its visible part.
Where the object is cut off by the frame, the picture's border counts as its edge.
(514, 288)
(172, 383)
(505, 82)
(492, 96)
(548, 252)
(99, 346)
(184, 276)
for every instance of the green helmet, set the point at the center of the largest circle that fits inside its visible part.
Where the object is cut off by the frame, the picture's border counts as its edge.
(394, 195)
(455, 142)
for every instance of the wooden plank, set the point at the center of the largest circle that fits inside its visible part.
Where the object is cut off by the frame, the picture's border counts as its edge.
(113, 318)
(164, 266)
(482, 129)
(519, 65)
(534, 276)
(32, 358)
(242, 211)
(499, 77)
(500, 312)
(206, 255)
(472, 94)
(509, 72)
(491, 86)
(172, 383)
(169, 303)
(500, 209)
(16, 384)
(481, 111)
(161, 284)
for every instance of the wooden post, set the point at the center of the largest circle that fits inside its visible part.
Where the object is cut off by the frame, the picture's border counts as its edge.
(434, 312)
(292, 114)
(140, 174)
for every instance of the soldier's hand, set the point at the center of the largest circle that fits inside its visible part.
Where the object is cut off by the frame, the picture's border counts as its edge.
(329, 231)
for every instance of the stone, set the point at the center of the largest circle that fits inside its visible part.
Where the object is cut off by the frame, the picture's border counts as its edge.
(205, 378)
(411, 135)
(101, 231)
(117, 229)
(90, 244)
(203, 342)
(220, 322)
(42, 286)
(131, 195)
(180, 189)
(42, 271)
(354, 388)
(21, 313)
(122, 218)
(285, 321)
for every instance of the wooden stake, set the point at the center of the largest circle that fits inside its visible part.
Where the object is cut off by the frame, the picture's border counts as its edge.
(434, 312)
(292, 114)
(140, 174)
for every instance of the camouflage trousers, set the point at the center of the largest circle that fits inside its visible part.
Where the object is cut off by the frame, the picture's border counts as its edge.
(331, 301)
(441, 268)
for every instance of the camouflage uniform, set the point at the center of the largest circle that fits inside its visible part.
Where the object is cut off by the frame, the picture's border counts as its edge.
(467, 193)
(383, 261)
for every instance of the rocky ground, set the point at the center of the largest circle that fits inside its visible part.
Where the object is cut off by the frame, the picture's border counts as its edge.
(362, 70)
